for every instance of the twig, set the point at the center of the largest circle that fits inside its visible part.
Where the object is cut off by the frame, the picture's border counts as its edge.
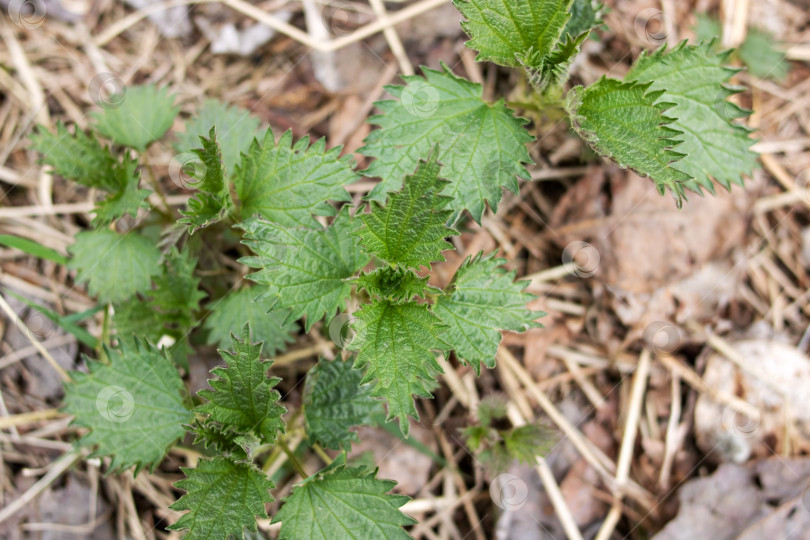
(37, 101)
(382, 23)
(794, 144)
(69, 208)
(695, 381)
(25, 352)
(36, 441)
(324, 64)
(555, 174)
(391, 36)
(585, 385)
(30, 335)
(800, 52)
(454, 382)
(593, 455)
(420, 506)
(83, 530)
(469, 507)
(783, 177)
(730, 353)
(276, 24)
(29, 417)
(15, 435)
(672, 439)
(520, 413)
(628, 444)
(59, 466)
(778, 200)
(567, 308)
(125, 493)
(440, 505)
(132, 19)
(300, 354)
(567, 521)
(598, 460)
(25, 74)
(551, 274)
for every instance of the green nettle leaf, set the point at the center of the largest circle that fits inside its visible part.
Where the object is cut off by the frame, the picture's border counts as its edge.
(525, 443)
(625, 121)
(222, 498)
(171, 306)
(230, 313)
(495, 458)
(145, 115)
(395, 284)
(396, 342)
(542, 36)
(116, 266)
(243, 396)
(410, 229)
(483, 300)
(126, 198)
(334, 401)
(247, 444)
(482, 145)
(213, 181)
(216, 436)
(760, 55)
(213, 200)
(345, 503)
(236, 127)
(693, 78)
(134, 406)
(287, 183)
(77, 156)
(177, 289)
(585, 15)
(707, 27)
(552, 70)
(304, 269)
(491, 408)
(514, 33)
(81, 158)
(476, 436)
(202, 210)
(135, 317)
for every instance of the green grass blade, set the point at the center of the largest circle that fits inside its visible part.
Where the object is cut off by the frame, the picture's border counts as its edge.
(32, 248)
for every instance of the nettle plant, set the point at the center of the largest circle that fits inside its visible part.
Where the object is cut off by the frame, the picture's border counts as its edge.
(442, 154)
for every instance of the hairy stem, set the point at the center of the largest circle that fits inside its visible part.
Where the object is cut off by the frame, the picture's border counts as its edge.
(322, 453)
(299, 468)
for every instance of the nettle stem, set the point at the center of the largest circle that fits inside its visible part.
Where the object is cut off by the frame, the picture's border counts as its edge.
(322, 453)
(297, 465)
(166, 209)
(105, 335)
